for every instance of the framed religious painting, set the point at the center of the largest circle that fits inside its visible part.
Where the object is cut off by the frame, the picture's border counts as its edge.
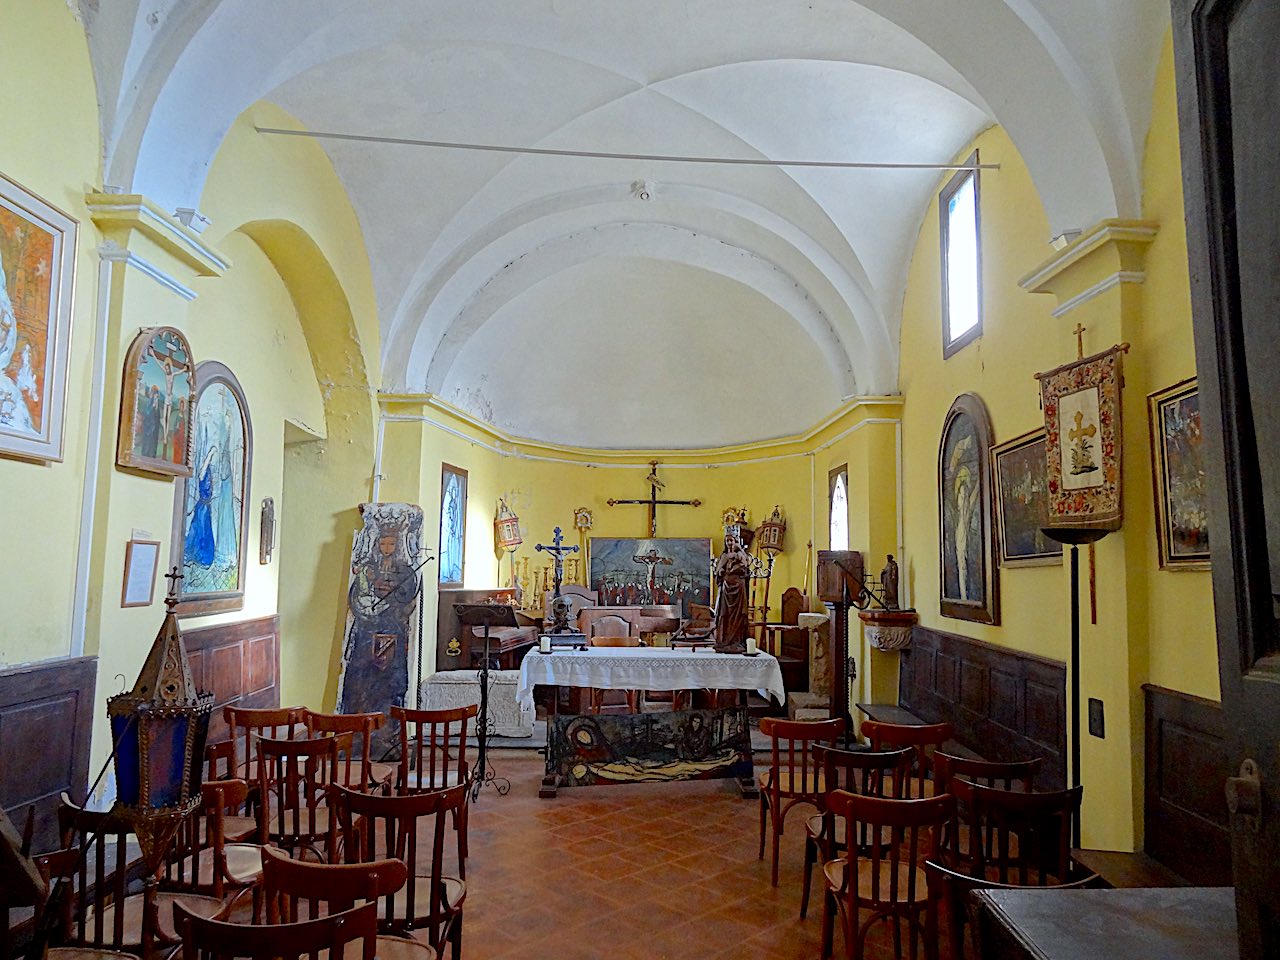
(1021, 491)
(453, 524)
(969, 587)
(155, 403)
(37, 278)
(1081, 403)
(210, 510)
(1177, 455)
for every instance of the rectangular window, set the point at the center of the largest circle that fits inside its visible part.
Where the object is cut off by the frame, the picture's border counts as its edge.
(453, 524)
(960, 221)
(839, 504)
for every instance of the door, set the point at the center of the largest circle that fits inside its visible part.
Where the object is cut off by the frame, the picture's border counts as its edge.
(1228, 99)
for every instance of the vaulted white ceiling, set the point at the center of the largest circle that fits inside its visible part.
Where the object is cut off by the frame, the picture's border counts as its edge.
(497, 273)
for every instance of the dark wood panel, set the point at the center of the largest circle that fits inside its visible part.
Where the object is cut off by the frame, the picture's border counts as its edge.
(239, 663)
(46, 719)
(1185, 768)
(1004, 704)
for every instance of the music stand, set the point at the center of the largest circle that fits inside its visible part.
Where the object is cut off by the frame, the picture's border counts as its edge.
(485, 615)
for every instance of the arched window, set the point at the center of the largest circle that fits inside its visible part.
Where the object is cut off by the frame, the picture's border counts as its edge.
(840, 508)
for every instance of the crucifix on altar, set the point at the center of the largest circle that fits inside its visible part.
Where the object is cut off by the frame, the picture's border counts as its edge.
(653, 502)
(557, 554)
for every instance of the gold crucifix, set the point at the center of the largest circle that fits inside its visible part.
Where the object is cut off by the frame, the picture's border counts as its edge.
(653, 502)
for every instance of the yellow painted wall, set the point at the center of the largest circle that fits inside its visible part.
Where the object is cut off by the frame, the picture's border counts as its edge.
(50, 147)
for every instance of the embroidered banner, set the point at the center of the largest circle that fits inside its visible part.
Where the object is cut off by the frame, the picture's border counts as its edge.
(1081, 403)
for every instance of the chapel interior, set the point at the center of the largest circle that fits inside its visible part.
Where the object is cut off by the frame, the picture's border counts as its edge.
(591, 438)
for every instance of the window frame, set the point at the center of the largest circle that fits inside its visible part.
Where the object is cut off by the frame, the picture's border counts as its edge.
(446, 471)
(952, 346)
(832, 476)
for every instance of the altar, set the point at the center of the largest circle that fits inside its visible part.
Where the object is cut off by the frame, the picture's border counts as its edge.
(587, 749)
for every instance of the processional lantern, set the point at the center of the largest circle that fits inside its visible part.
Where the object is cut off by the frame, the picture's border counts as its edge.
(771, 534)
(159, 729)
(506, 533)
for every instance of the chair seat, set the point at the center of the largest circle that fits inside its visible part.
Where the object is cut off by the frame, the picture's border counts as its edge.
(380, 773)
(455, 891)
(299, 821)
(86, 953)
(792, 783)
(403, 948)
(436, 779)
(244, 865)
(193, 903)
(834, 871)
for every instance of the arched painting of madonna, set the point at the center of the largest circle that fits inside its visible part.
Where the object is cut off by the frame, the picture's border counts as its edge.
(210, 526)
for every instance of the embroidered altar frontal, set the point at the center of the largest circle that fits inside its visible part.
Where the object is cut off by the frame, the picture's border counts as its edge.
(649, 747)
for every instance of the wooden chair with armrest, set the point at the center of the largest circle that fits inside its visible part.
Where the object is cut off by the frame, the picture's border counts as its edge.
(794, 776)
(293, 776)
(358, 769)
(296, 891)
(327, 937)
(698, 630)
(925, 740)
(868, 773)
(415, 829)
(886, 880)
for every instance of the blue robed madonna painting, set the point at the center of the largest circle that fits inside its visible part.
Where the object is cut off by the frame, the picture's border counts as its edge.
(213, 501)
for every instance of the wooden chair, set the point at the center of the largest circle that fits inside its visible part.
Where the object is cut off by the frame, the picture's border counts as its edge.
(297, 891)
(953, 889)
(888, 879)
(697, 630)
(925, 739)
(292, 778)
(105, 915)
(246, 724)
(239, 823)
(793, 776)
(327, 937)
(611, 631)
(204, 861)
(868, 773)
(1001, 775)
(433, 747)
(358, 768)
(60, 867)
(377, 828)
(1015, 837)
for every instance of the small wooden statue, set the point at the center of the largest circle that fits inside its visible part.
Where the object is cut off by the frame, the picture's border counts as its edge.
(889, 583)
(733, 579)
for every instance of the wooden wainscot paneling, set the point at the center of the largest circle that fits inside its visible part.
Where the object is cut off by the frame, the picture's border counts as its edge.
(46, 718)
(1185, 803)
(239, 663)
(1003, 704)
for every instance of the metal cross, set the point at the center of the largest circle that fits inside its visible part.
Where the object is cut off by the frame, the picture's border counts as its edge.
(653, 502)
(173, 576)
(557, 553)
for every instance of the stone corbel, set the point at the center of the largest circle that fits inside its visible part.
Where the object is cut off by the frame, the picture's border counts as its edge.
(888, 630)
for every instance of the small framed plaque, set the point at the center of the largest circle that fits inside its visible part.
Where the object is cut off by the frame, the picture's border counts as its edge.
(141, 557)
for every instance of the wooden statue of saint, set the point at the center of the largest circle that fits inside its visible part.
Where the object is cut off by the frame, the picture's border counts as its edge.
(733, 581)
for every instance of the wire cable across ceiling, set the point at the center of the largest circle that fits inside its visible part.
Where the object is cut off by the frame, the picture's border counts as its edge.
(605, 155)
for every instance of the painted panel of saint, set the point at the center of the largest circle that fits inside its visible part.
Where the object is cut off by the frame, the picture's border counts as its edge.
(155, 414)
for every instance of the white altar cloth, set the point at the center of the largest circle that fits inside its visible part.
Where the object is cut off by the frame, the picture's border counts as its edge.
(650, 668)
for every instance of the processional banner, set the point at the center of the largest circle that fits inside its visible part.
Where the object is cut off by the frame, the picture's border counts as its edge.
(382, 614)
(1081, 402)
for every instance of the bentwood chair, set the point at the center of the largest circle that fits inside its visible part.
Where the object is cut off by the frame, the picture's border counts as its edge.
(433, 747)
(377, 828)
(204, 861)
(611, 631)
(925, 739)
(1015, 837)
(292, 778)
(247, 724)
(237, 822)
(886, 881)
(357, 768)
(869, 773)
(794, 776)
(53, 911)
(296, 891)
(328, 937)
(1001, 775)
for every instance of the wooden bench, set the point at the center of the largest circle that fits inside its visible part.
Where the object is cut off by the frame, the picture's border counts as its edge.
(892, 713)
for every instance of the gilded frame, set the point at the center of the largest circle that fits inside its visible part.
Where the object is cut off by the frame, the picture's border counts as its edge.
(180, 388)
(1015, 462)
(1176, 439)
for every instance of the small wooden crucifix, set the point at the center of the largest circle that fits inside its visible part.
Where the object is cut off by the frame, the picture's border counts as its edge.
(557, 552)
(653, 502)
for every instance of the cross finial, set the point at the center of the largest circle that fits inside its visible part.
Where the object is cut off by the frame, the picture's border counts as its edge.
(173, 576)
(1079, 332)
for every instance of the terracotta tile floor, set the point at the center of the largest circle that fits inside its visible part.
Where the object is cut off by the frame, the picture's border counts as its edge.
(660, 871)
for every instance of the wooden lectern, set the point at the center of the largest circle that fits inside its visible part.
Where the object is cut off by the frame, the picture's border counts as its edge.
(840, 586)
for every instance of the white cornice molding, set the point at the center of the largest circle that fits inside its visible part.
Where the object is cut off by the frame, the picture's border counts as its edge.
(125, 212)
(114, 253)
(1108, 231)
(1099, 288)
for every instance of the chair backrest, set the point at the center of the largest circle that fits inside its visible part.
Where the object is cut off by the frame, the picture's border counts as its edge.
(610, 626)
(201, 838)
(895, 873)
(245, 724)
(204, 939)
(433, 747)
(868, 773)
(355, 763)
(292, 778)
(795, 775)
(102, 867)
(1016, 837)
(793, 602)
(406, 827)
(926, 739)
(298, 890)
(1003, 775)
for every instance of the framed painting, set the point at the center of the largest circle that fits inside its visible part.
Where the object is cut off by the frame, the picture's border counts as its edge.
(37, 280)
(210, 517)
(969, 587)
(155, 403)
(627, 572)
(453, 524)
(1081, 402)
(1177, 456)
(1021, 488)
